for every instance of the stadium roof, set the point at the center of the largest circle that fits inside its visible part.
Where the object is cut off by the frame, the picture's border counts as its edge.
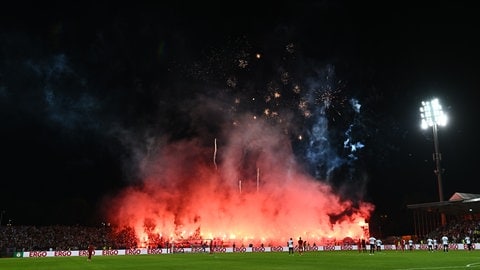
(459, 203)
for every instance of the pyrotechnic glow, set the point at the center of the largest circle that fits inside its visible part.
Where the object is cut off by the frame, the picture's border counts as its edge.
(254, 193)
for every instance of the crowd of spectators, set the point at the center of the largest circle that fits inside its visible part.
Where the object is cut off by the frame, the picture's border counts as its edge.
(458, 230)
(33, 238)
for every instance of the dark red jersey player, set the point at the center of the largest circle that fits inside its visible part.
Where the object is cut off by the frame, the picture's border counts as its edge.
(90, 250)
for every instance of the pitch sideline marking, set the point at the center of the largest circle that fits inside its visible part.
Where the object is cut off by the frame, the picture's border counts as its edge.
(443, 267)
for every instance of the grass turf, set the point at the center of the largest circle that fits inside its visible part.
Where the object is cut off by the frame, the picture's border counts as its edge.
(336, 260)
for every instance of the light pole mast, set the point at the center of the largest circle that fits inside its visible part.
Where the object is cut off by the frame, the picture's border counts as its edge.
(432, 116)
(437, 157)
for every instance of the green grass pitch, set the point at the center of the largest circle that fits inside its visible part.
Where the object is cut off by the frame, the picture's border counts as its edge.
(331, 260)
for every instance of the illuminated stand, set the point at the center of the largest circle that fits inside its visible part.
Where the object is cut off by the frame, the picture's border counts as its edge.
(432, 116)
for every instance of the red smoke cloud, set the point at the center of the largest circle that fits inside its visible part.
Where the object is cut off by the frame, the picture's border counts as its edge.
(249, 191)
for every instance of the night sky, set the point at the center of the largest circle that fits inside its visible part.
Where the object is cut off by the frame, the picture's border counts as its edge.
(89, 89)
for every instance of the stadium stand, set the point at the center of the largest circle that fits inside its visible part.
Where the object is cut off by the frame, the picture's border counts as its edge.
(461, 208)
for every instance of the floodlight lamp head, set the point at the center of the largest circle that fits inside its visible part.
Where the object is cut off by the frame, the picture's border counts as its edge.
(431, 114)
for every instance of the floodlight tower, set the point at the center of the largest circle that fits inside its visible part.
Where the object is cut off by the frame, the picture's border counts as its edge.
(433, 116)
